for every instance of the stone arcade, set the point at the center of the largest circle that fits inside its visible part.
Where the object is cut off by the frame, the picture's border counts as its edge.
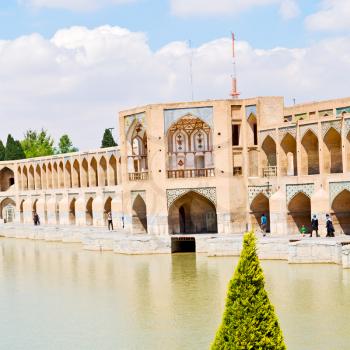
(197, 167)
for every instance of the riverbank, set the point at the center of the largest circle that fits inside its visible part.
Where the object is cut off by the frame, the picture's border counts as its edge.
(294, 249)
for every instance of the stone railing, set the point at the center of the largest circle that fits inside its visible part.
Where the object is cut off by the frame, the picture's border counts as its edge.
(188, 173)
(138, 176)
(270, 171)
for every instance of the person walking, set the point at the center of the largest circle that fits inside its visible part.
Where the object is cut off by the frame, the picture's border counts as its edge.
(35, 219)
(263, 223)
(314, 225)
(329, 226)
(110, 221)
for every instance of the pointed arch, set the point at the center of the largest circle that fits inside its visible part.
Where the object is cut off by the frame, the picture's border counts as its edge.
(332, 152)
(107, 208)
(44, 177)
(68, 174)
(269, 154)
(252, 131)
(19, 179)
(89, 211)
(55, 175)
(341, 212)
(288, 157)
(93, 172)
(310, 163)
(259, 206)
(103, 172)
(76, 181)
(25, 178)
(7, 179)
(139, 215)
(84, 173)
(113, 172)
(38, 177)
(72, 211)
(49, 176)
(31, 177)
(299, 213)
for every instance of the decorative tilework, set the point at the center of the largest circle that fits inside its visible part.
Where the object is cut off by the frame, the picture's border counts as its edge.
(254, 191)
(335, 124)
(346, 127)
(129, 120)
(342, 110)
(250, 110)
(264, 133)
(326, 113)
(134, 194)
(282, 132)
(293, 189)
(337, 187)
(305, 128)
(207, 192)
(171, 116)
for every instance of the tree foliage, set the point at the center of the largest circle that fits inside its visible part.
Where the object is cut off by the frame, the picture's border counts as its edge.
(249, 320)
(108, 140)
(13, 150)
(37, 144)
(65, 145)
(2, 151)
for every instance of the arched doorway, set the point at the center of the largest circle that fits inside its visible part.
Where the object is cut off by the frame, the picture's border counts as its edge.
(341, 212)
(260, 206)
(192, 213)
(89, 214)
(288, 165)
(332, 153)
(309, 154)
(269, 158)
(299, 213)
(139, 215)
(107, 208)
(8, 210)
(72, 212)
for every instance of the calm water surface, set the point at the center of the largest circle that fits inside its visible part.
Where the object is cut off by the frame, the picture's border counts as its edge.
(57, 296)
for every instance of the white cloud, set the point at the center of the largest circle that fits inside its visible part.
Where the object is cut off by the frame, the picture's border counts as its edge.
(74, 5)
(333, 15)
(77, 81)
(186, 8)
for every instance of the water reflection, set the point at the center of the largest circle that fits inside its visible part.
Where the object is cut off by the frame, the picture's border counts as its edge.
(57, 296)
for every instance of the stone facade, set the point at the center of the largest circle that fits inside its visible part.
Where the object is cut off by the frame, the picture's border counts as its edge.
(197, 167)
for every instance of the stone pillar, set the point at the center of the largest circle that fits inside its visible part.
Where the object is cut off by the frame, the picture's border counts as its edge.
(321, 146)
(80, 212)
(52, 211)
(278, 213)
(343, 147)
(41, 210)
(117, 212)
(28, 211)
(98, 211)
(63, 207)
(298, 150)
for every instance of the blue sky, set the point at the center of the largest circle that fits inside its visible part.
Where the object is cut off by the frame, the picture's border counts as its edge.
(65, 64)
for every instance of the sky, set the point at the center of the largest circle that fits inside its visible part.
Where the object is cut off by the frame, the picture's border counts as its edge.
(69, 66)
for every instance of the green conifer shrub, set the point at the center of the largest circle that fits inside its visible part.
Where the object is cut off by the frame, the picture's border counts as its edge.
(14, 150)
(2, 151)
(249, 320)
(108, 140)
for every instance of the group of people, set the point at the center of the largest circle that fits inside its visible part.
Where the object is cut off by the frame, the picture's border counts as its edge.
(303, 228)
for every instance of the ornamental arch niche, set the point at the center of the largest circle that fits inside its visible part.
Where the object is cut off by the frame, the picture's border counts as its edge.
(192, 213)
(268, 147)
(310, 163)
(139, 215)
(7, 179)
(113, 171)
(332, 152)
(8, 210)
(259, 206)
(299, 213)
(288, 157)
(88, 212)
(341, 212)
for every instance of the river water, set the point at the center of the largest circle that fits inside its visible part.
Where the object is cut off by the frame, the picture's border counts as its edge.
(57, 296)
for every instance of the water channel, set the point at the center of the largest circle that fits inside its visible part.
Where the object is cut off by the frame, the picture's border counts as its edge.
(57, 296)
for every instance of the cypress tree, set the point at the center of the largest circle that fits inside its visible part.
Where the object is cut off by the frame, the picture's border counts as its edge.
(14, 150)
(108, 140)
(2, 151)
(249, 320)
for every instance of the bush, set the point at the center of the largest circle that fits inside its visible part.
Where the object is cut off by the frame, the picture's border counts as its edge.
(249, 320)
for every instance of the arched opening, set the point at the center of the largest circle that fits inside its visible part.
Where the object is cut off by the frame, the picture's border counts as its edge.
(84, 173)
(288, 159)
(76, 174)
(61, 175)
(93, 173)
(139, 215)
(107, 208)
(72, 212)
(310, 164)
(31, 178)
(332, 153)
(21, 212)
(341, 212)
(38, 177)
(68, 173)
(103, 172)
(252, 130)
(25, 178)
(8, 210)
(89, 214)
(19, 178)
(269, 158)
(55, 175)
(192, 213)
(49, 176)
(299, 213)
(44, 177)
(7, 179)
(113, 175)
(260, 205)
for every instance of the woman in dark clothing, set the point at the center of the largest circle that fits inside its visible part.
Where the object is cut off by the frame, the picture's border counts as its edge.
(329, 226)
(314, 226)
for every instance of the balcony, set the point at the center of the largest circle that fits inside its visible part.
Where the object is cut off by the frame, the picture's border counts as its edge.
(270, 171)
(138, 176)
(190, 173)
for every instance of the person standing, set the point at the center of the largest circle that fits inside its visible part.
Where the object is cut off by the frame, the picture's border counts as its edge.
(329, 226)
(303, 230)
(314, 225)
(110, 221)
(263, 222)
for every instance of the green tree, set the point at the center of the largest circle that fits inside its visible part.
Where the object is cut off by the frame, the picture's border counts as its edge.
(65, 145)
(249, 320)
(2, 151)
(37, 144)
(108, 140)
(13, 150)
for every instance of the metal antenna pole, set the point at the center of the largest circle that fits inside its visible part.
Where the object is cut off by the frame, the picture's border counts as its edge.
(234, 93)
(191, 69)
